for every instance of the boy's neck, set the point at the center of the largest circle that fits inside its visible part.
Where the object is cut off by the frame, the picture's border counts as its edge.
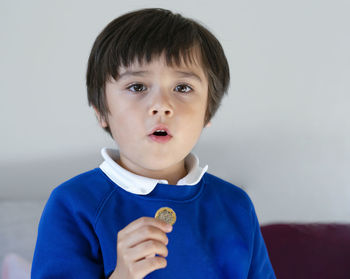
(172, 175)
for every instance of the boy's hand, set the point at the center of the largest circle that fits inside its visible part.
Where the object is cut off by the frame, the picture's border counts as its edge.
(137, 245)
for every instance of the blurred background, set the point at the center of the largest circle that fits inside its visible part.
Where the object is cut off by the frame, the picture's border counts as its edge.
(282, 133)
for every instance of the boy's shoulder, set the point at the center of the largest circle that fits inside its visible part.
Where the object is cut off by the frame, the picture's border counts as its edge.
(89, 188)
(86, 182)
(227, 191)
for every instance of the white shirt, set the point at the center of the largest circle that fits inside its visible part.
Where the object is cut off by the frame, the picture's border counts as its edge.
(142, 185)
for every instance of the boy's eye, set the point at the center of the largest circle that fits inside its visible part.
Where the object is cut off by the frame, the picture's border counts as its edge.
(137, 87)
(183, 87)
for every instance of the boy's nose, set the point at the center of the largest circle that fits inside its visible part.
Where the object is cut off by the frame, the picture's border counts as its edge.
(161, 106)
(161, 111)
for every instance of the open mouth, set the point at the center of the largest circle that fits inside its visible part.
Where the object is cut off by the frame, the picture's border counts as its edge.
(160, 136)
(160, 133)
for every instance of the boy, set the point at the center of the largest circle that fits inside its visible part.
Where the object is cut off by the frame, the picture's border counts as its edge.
(155, 79)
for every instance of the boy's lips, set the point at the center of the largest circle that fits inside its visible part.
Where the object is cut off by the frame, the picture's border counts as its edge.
(160, 138)
(160, 128)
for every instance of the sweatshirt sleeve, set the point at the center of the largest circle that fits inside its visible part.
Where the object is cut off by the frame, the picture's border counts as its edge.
(260, 267)
(66, 246)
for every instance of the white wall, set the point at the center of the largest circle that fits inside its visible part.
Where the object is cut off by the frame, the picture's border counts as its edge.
(283, 132)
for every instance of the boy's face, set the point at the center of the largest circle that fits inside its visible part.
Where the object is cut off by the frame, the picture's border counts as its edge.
(151, 95)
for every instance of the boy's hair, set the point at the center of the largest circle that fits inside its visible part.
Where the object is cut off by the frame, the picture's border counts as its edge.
(148, 33)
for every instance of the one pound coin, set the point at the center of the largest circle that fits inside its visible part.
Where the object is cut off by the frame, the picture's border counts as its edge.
(166, 214)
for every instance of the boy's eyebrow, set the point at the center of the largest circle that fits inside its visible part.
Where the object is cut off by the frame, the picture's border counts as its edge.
(132, 73)
(144, 73)
(189, 74)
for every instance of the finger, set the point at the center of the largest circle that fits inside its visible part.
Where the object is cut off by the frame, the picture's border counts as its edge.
(143, 221)
(149, 265)
(142, 234)
(147, 249)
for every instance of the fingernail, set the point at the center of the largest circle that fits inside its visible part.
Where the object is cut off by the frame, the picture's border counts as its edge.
(169, 227)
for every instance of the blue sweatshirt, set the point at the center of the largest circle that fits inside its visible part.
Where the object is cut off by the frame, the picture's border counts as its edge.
(216, 234)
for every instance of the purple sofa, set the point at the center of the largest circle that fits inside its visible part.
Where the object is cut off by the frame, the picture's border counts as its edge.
(309, 251)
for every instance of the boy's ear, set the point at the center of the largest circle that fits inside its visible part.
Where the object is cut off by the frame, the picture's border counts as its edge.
(101, 120)
(208, 124)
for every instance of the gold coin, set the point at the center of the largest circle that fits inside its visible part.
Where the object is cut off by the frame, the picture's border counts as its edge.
(166, 214)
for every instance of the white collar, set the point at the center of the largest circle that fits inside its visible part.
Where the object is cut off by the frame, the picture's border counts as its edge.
(142, 185)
